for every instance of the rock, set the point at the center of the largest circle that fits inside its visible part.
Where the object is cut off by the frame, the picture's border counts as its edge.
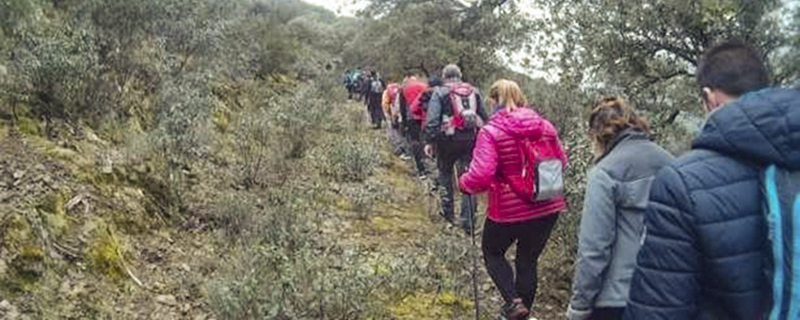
(3, 70)
(185, 267)
(8, 311)
(19, 174)
(167, 299)
(200, 317)
(106, 165)
(3, 269)
(93, 137)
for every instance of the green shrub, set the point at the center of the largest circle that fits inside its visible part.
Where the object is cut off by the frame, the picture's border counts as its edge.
(236, 214)
(29, 126)
(352, 159)
(256, 145)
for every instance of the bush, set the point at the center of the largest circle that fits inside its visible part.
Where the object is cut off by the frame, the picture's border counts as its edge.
(289, 272)
(256, 148)
(352, 159)
(237, 215)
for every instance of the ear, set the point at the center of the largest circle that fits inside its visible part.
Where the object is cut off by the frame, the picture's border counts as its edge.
(709, 99)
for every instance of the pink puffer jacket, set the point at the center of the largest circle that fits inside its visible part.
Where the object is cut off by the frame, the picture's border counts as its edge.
(496, 158)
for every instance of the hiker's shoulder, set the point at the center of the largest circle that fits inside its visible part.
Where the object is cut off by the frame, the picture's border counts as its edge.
(702, 169)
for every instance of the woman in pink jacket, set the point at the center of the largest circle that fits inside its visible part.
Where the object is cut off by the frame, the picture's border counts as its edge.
(497, 165)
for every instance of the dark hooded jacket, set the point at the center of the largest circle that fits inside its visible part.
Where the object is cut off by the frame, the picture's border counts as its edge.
(705, 251)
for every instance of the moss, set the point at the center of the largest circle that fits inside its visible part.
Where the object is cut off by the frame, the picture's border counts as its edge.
(104, 255)
(221, 121)
(53, 212)
(29, 126)
(53, 203)
(26, 269)
(57, 224)
(61, 153)
(424, 305)
(16, 232)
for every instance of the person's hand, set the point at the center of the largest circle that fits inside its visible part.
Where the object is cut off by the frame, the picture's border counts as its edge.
(429, 150)
(573, 314)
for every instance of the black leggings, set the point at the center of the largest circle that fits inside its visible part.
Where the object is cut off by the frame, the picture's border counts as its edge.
(607, 314)
(531, 237)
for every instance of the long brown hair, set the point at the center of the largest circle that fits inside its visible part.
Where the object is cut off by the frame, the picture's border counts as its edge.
(610, 117)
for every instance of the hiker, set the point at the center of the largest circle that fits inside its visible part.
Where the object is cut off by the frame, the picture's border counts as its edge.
(375, 99)
(389, 102)
(454, 116)
(617, 191)
(362, 86)
(352, 82)
(417, 112)
(706, 248)
(410, 92)
(516, 214)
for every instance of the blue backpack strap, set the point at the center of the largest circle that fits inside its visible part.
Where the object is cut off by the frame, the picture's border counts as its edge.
(782, 195)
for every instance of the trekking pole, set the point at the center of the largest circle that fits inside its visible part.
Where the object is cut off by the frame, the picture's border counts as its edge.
(474, 257)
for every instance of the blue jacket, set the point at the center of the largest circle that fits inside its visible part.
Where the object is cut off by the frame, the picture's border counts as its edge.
(705, 252)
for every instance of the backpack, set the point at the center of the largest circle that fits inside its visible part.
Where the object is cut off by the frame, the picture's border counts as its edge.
(464, 101)
(418, 108)
(781, 191)
(543, 163)
(377, 86)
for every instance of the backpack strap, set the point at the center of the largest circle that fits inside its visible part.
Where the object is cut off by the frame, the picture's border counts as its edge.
(781, 190)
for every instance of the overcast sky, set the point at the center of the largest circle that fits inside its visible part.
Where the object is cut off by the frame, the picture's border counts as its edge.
(341, 7)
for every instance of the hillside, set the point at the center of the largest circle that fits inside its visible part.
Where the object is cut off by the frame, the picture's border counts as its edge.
(193, 159)
(346, 231)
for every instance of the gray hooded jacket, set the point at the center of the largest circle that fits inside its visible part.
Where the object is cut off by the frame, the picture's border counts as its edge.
(617, 192)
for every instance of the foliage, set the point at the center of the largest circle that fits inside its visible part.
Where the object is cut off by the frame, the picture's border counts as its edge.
(435, 33)
(352, 159)
(648, 50)
(287, 272)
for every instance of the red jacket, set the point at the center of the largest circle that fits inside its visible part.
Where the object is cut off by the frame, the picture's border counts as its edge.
(412, 89)
(496, 158)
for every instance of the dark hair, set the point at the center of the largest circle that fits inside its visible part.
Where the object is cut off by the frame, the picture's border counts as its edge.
(435, 81)
(734, 68)
(610, 117)
(409, 74)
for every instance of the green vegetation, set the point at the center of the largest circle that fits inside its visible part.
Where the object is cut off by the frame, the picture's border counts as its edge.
(198, 159)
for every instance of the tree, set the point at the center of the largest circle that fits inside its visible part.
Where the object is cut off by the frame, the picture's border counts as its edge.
(425, 35)
(786, 67)
(649, 49)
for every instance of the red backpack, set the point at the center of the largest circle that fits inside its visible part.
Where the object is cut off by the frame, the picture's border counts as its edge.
(464, 101)
(543, 164)
(417, 110)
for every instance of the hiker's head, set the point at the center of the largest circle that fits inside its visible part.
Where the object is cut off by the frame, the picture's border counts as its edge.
(451, 72)
(507, 94)
(729, 70)
(610, 117)
(435, 81)
(409, 75)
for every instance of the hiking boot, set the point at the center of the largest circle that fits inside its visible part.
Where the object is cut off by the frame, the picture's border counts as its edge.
(514, 311)
(450, 218)
(467, 224)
